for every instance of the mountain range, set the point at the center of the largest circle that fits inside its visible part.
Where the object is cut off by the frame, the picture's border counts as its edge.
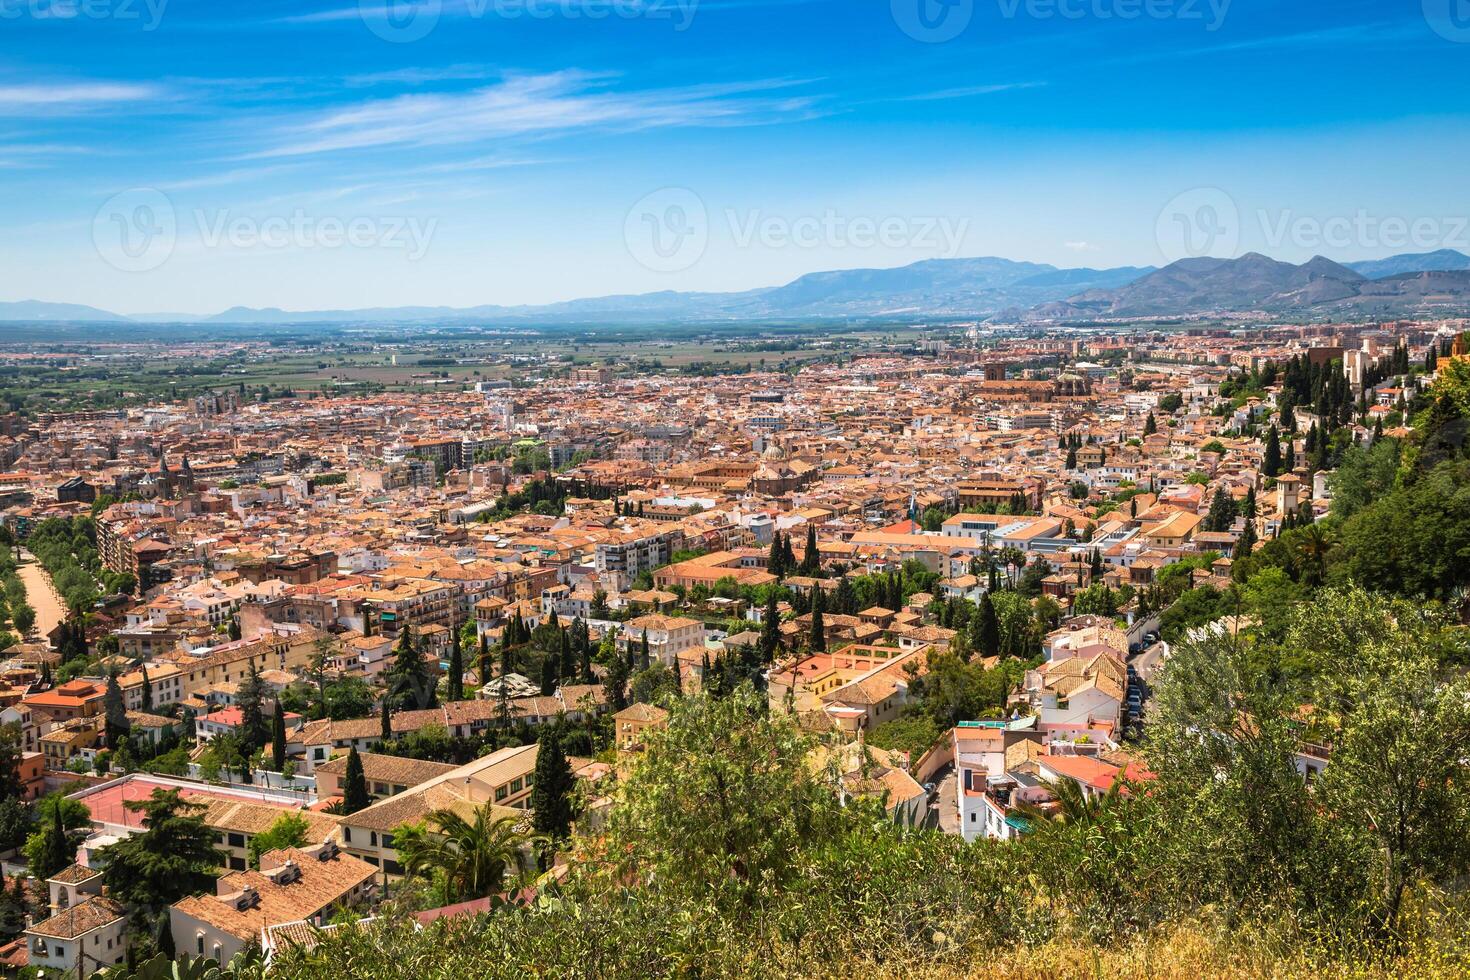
(980, 287)
(1434, 282)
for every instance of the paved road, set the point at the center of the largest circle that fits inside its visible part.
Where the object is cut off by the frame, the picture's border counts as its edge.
(1149, 661)
(40, 595)
(949, 814)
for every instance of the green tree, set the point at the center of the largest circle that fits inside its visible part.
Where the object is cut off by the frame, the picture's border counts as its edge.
(115, 712)
(455, 688)
(466, 859)
(1271, 458)
(61, 826)
(1222, 511)
(278, 737)
(354, 784)
(770, 637)
(288, 830)
(985, 628)
(819, 626)
(250, 698)
(615, 684)
(551, 794)
(172, 856)
(720, 804)
(410, 684)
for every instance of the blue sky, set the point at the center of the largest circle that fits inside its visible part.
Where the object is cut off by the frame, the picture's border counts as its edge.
(190, 155)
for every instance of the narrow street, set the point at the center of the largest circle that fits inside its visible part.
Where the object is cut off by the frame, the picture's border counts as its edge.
(40, 595)
(949, 815)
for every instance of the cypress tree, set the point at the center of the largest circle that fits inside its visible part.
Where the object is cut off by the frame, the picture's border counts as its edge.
(456, 668)
(566, 665)
(278, 738)
(116, 713)
(985, 629)
(1247, 542)
(385, 729)
(548, 676)
(819, 626)
(59, 852)
(551, 796)
(810, 563)
(147, 690)
(770, 641)
(354, 785)
(615, 685)
(250, 697)
(1271, 458)
(645, 659)
(775, 558)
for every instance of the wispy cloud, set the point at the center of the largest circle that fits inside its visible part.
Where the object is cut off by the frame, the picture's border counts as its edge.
(534, 105)
(487, 9)
(65, 96)
(423, 76)
(967, 91)
(1082, 246)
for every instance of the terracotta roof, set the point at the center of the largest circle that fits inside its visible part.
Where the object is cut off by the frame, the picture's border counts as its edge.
(389, 768)
(80, 919)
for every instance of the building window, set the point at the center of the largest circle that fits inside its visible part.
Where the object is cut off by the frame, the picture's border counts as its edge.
(500, 793)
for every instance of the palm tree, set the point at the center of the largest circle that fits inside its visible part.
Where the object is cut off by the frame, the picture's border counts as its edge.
(1312, 546)
(469, 858)
(1074, 805)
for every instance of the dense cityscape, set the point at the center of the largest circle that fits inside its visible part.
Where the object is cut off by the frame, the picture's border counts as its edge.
(734, 490)
(287, 661)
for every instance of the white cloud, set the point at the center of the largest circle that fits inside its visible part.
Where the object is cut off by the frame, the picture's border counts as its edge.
(532, 105)
(969, 91)
(59, 96)
(1082, 246)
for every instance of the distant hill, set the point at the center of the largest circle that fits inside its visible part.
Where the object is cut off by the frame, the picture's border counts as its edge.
(1256, 282)
(957, 287)
(31, 310)
(1444, 260)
